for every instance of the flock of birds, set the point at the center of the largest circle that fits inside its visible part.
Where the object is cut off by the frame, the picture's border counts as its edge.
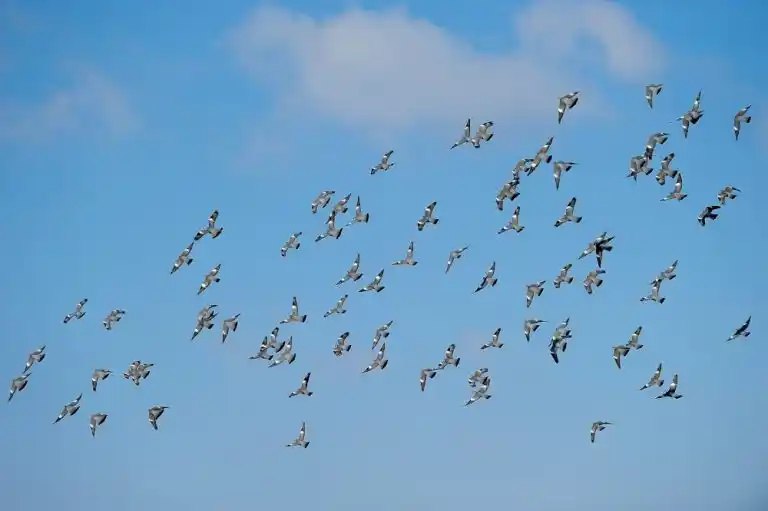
(277, 352)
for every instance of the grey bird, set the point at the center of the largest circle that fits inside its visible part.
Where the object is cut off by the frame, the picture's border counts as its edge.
(741, 116)
(521, 166)
(303, 389)
(97, 376)
(114, 316)
(382, 332)
(597, 427)
(563, 277)
(374, 285)
(477, 377)
(481, 392)
(495, 341)
(671, 390)
(78, 313)
(380, 361)
(342, 206)
(137, 371)
(96, 420)
(210, 278)
(558, 168)
(454, 256)
(655, 380)
(384, 165)
(211, 228)
(338, 308)
(353, 273)
(593, 244)
(655, 139)
(331, 230)
(360, 216)
(651, 91)
(530, 326)
(408, 260)
(708, 213)
(568, 216)
(204, 320)
(301, 440)
(263, 353)
(593, 279)
(466, 135)
(667, 274)
(729, 192)
(689, 119)
(638, 166)
(559, 340)
(742, 331)
(428, 217)
(634, 339)
(566, 103)
(489, 278)
(424, 375)
(601, 247)
(322, 200)
(34, 357)
(294, 316)
(292, 243)
(654, 295)
(542, 156)
(155, 413)
(513, 224)
(532, 291)
(284, 355)
(666, 171)
(618, 352)
(183, 258)
(677, 191)
(483, 134)
(69, 409)
(229, 325)
(342, 346)
(507, 192)
(449, 358)
(18, 384)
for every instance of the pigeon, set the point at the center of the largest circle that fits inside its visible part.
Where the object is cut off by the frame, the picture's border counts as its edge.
(655, 380)
(454, 256)
(708, 213)
(137, 371)
(183, 258)
(667, 274)
(375, 284)
(532, 291)
(559, 340)
(155, 413)
(342, 346)
(481, 392)
(593, 245)
(382, 332)
(596, 427)
(353, 273)
(601, 247)
(301, 439)
(654, 296)
(508, 192)
(593, 279)
(671, 390)
(331, 231)
(36, 356)
(229, 325)
(294, 316)
(292, 243)
(558, 168)
(114, 316)
(666, 171)
(563, 277)
(211, 277)
(322, 200)
(729, 192)
(742, 331)
(97, 376)
(566, 103)
(303, 388)
(465, 137)
(639, 165)
(478, 377)
(618, 352)
(211, 228)
(521, 166)
(655, 139)
(78, 313)
(338, 308)
(18, 384)
(449, 359)
(688, 119)
(343, 205)
(741, 116)
(530, 326)
(96, 420)
(513, 224)
(651, 91)
(426, 374)
(360, 217)
(69, 409)
(380, 362)
(409, 260)
(204, 320)
(495, 342)
(428, 217)
(488, 278)
(285, 355)
(634, 339)
(568, 216)
(677, 191)
(483, 134)
(384, 165)
(541, 156)
(263, 353)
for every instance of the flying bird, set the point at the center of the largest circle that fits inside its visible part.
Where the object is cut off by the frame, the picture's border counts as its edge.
(708, 213)
(677, 191)
(204, 320)
(97, 376)
(211, 228)
(210, 278)
(449, 358)
(542, 155)
(507, 192)
(409, 260)
(495, 341)
(155, 413)
(382, 332)
(634, 339)
(489, 278)
(454, 256)
(568, 216)
(18, 384)
(284, 355)
(593, 279)
(729, 192)
(114, 316)
(530, 326)
(483, 134)
(380, 362)
(513, 224)
(563, 277)
(69, 409)
(478, 377)
(360, 217)
(34, 357)
(331, 230)
(229, 325)
(654, 295)
(292, 243)
(639, 165)
(322, 200)
(532, 291)
(465, 136)
(558, 168)
(78, 313)
(596, 427)
(666, 170)
(671, 390)
(294, 316)
(183, 258)
(301, 440)
(658, 138)
(651, 91)
(566, 103)
(741, 116)
(338, 308)
(342, 346)
(655, 380)
(303, 389)
(424, 375)
(375, 284)
(667, 274)
(428, 217)
(384, 165)
(343, 205)
(618, 352)
(481, 392)
(96, 420)
(742, 331)
(353, 273)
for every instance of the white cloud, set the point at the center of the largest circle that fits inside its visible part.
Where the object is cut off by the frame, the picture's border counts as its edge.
(379, 69)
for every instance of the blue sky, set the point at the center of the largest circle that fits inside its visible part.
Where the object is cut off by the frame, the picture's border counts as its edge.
(122, 128)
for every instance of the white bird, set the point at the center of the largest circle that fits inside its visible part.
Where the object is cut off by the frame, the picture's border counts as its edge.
(481, 392)
(428, 217)
(382, 332)
(341, 345)
(742, 331)
(375, 284)
(292, 243)
(507, 192)
(654, 295)
(667, 274)
(483, 134)
(465, 136)
(380, 362)
(114, 316)
(495, 341)
(489, 278)
(294, 316)
(78, 313)
(454, 256)
(541, 156)
(558, 168)
(384, 165)
(566, 103)
(655, 380)
(360, 217)
(513, 224)
(96, 420)
(568, 216)
(331, 230)
(338, 308)
(301, 440)
(408, 260)
(353, 273)
(741, 116)
(229, 325)
(183, 258)
(671, 390)
(211, 277)
(211, 228)
(303, 389)
(449, 358)
(651, 91)
(477, 377)
(322, 200)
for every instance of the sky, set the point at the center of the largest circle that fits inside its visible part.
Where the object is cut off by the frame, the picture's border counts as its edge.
(122, 128)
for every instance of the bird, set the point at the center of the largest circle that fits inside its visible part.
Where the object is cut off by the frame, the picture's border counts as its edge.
(380, 361)
(183, 258)
(532, 291)
(338, 308)
(688, 119)
(666, 171)
(601, 247)
(639, 165)
(155, 413)
(671, 390)
(489, 278)
(408, 260)
(634, 339)
(284, 355)
(137, 371)
(559, 340)
(654, 295)
(477, 377)
(558, 168)
(563, 277)
(331, 231)
(449, 358)
(78, 313)
(428, 217)
(424, 375)
(301, 440)
(353, 273)
(481, 392)
(263, 353)
(382, 332)
(97, 376)
(651, 91)
(303, 389)
(566, 103)
(593, 245)
(530, 326)
(322, 200)
(292, 243)
(229, 325)
(454, 256)
(513, 224)
(18, 384)
(211, 228)
(204, 320)
(667, 274)
(596, 427)
(69, 409)
(741, 116)
(742, 331)
(568, 216)
(384, 165)
(114, 316)
(618, 352)
(342, 346)
(507, 192)
(96, 420)
(211, 277)
(655, 380)
(360, 217)
(495, 341)
(294, 316)
(34, 357)
(343, 205)
(708, 213)
(542, 155)
(658, 138)
(483, 134)
(729, 192)
(375, 284)
(593, 279)
(677, 191)
(465, 136)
